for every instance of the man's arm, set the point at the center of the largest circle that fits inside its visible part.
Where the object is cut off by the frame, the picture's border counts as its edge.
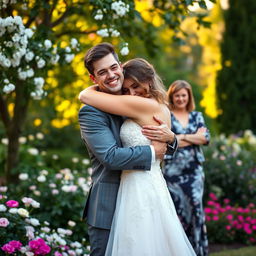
(100, 140)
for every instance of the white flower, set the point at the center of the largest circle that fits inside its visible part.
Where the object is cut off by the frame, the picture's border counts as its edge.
(23, 212)
(3, 188)
(103, 32)
(85, 161)
(13, 210)
(55, 192)
(39, 82)
(71, 223)
(55, 59)
(74, 43)
(3, 208)
(46, 229)
(120, 8)
(5, 141)
(41, 178)
(55, 157)
(22, 75)
(37, 193)
(35, 222)
(99, 15)
(29, 56)
(9, 88)
(69, 57)
(23, 176)
(79, 251)
(47, 44)
(41, 63)
(30, 232)
(124, 50)
(44, 172)
(27, 201)
(67, 49)
(114, 32)
(29, 33)
(30, 72)
(35, 204)
(76, 245)
(33, 151)
(75, 160)
(22, 140)
(39, 136)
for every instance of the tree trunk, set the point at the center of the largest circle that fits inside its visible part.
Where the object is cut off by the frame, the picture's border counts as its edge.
(14, 131)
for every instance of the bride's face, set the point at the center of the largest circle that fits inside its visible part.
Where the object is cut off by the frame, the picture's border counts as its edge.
(131, 87)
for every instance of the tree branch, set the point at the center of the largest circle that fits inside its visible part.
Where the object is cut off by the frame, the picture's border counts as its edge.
(79, 32)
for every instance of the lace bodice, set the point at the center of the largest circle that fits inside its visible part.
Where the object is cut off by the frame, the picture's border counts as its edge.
(131, 135)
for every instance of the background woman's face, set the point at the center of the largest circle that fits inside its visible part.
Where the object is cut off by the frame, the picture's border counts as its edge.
(180, 99)
(131, 87)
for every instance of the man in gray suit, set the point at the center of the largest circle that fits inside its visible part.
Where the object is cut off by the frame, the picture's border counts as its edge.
(100, 132)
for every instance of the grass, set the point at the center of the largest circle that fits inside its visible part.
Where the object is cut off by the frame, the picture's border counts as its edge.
(247, 251)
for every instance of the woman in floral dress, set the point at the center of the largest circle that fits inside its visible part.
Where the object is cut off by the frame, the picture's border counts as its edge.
(184, 172)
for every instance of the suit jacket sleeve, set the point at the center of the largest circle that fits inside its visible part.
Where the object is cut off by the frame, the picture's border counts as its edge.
(97, 134)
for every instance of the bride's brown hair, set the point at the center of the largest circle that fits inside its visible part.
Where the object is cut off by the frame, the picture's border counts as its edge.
(141, 71)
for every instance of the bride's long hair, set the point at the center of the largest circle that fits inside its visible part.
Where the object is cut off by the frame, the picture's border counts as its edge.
(141, 71)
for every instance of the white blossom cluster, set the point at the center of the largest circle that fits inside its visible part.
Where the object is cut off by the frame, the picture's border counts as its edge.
(4, 3)
(27, 59)
(125, 50)
(99, 15)
(108, 32)
(120, 8)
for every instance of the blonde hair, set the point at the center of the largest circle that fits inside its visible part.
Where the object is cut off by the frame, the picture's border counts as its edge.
(175, 87)
(141, 71)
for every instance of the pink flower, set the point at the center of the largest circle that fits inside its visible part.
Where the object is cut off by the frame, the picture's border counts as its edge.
(16, 244)
(214, 211)
(12, 203)
(228, 227)
(207, 210)
(213, 196)
(229, 217)
(215, 218)
(4, 222)
(8, 248)
(240, 218)
(57, 254)
(207, 218)
(39, 247)
(254, 227)
(210, 203)
(226, 201)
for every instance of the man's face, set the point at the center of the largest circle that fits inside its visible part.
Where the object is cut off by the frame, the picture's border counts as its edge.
(108, 74)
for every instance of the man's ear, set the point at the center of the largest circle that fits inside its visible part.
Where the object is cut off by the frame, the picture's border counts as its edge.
(92, 77)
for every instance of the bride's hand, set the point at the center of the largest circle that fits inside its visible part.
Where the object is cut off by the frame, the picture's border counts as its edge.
(160, 133)
(82, 94)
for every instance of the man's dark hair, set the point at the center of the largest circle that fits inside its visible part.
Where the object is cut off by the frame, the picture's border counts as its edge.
(97, 52)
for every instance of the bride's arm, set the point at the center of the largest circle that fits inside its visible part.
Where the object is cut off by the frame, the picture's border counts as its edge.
(123, 105)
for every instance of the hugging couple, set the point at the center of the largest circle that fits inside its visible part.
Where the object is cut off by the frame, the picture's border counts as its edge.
(129, 210)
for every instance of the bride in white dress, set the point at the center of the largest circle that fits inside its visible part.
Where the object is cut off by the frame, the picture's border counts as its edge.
(145, 222)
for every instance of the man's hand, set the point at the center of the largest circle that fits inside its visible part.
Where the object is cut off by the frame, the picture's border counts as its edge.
(158, 133)
(160, 149)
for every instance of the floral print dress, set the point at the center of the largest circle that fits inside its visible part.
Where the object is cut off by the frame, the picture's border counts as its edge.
(185, 180)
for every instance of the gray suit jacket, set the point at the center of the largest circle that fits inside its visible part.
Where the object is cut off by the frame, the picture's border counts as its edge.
(100, 131)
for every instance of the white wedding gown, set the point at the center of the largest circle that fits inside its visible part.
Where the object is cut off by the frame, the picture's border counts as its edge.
(145, 222)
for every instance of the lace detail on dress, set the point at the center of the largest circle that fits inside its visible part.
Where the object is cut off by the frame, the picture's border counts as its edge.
(131, 135)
